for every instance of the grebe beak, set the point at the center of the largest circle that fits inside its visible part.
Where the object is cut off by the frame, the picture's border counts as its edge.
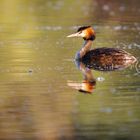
(74, 35)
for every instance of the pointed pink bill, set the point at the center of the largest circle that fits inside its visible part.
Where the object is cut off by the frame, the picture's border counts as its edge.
(74, 35)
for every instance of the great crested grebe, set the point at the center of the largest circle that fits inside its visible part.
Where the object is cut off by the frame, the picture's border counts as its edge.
(103, 59)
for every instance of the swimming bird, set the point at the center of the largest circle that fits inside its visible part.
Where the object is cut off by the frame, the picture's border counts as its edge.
(103, 59)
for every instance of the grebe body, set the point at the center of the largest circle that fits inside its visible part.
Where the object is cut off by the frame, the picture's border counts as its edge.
(107, 59)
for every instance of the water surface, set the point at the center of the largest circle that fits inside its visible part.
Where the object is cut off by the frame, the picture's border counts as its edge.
(37, 60)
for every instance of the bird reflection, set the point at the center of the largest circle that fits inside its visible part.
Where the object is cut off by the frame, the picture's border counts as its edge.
(88, 83)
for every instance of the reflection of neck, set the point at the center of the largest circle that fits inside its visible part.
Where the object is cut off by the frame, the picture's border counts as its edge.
(88, 76)
(86, 47)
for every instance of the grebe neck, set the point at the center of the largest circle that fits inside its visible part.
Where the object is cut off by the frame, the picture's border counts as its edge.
(85, 48)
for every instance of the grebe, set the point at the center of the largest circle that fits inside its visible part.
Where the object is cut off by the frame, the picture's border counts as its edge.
(103, 59)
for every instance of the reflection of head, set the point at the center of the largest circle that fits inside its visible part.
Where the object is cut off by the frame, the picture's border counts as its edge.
(87, 87)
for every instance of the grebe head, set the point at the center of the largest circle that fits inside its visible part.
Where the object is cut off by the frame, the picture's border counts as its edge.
(86, 32)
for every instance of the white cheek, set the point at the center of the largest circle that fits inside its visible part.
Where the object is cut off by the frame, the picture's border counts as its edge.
(83, 34)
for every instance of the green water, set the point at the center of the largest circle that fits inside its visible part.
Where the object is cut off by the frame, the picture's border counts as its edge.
(37, 60)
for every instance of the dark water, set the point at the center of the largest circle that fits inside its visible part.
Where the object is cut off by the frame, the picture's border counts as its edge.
(36, 61)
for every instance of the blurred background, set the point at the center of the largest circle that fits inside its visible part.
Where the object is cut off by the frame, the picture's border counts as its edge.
(36, 60)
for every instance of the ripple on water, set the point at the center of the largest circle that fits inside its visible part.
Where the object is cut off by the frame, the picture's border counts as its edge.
(100, 79)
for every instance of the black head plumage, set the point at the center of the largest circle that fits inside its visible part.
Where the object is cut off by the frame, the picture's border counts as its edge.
(82, 28)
